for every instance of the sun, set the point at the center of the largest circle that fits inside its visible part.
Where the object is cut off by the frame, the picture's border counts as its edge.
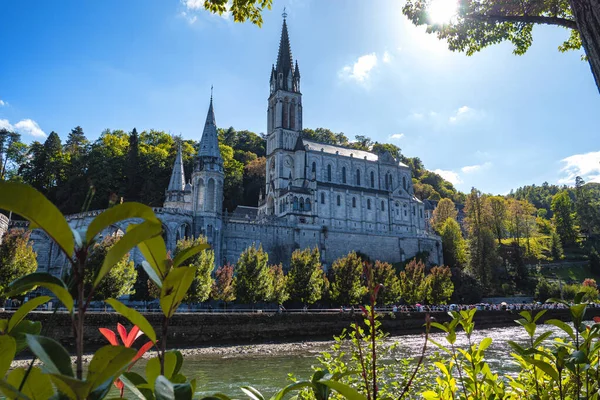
(442, 11)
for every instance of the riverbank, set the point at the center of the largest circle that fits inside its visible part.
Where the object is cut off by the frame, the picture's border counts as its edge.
(199, 331)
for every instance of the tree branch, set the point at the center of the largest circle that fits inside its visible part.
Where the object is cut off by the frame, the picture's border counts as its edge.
(528, 19)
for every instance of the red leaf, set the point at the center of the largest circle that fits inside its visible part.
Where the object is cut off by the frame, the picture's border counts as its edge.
(109, 335)
(140, 353)
(596, 319)
(134, 333)
(122, 332)
(120, 385)
(364, 310)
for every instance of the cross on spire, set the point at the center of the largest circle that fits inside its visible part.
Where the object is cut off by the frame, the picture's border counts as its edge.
(284, 15)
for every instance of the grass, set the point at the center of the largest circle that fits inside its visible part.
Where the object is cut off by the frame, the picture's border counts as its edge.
(571, 273)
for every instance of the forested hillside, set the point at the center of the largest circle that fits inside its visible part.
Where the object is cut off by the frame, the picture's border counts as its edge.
(136, 166)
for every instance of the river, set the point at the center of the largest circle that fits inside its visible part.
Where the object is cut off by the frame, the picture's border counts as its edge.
(269, 372)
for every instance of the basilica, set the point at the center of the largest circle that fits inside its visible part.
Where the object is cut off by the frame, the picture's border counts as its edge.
(320, 195)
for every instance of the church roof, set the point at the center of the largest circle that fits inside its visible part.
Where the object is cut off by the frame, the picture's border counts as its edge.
(209, 144)
(177, 182)
(343, 151)
(245, 213)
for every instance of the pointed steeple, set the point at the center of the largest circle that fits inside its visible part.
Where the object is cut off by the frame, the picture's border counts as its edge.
(177, 182)
(285, 62)
(209, 144)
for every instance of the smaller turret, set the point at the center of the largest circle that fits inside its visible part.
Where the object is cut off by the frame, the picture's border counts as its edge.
(177, 190)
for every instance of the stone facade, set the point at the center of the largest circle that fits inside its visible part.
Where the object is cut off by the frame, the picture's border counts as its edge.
(335, 198)
(3, 225)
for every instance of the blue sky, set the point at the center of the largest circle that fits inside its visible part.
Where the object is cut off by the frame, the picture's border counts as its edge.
(495, 121)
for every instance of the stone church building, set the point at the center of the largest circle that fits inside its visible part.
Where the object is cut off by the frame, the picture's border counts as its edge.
(315, 194)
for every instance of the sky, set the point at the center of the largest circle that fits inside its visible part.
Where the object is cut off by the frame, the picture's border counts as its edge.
(494, 121)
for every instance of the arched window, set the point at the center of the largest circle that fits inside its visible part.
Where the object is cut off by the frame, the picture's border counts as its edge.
(329, 172)
(295, 204)
(343, 174)
(372, 179)
(358, 177)
(210, 195)
(322, 198)
(314, 167)
(404, 183)
(307, 205)
(293, 116)
(421, 212)
(382, 206)
(339, 200)
(387, 181)
(301, 204)
(413, 210)
(354, 202)
(391, 181)
(284, 119)
(368, 204)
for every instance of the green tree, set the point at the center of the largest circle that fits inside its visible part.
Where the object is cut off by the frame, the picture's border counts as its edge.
(132, 169)
(233, 190)
(454, 246)
(384, 273)
(279, 291)
(204, 263)
(479, 24)
(76, 143)
(564, 223)
(223, 288)
(445, 209)
(346, 285)
(594, 260)
(438, 285)
(17, 257)
(546, 290)
(305, 276)
(119, 281)
(252, 280)
(498, 211)
(587, 207)
(483, 258)
(412, 282)
(556, 246)
(12, 153)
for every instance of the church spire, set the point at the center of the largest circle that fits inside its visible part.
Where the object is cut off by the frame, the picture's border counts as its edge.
(177, 182)
(209, 144)
(283, 74)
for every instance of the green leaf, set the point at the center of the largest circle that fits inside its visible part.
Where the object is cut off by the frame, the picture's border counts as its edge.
(40, 212)
(153, 366)
(154, 251)
(577, 312)
(108, 362)
(119, 213)
(539, 315)
(184, 255)
(541, 338)
(544, 366)
(345, 390)
(253, 393)
(165, 390)
(141, 232)
(11, 392)
(151, 273)
(75, 389)
(439, 326)
(132, 381)
(23, 328)
(134, 317)
(292, 387)
(101, 391)
(8, 349)
(216, 396)
(45, 280)
(51, 353)
(485, 343)
(175, 287)
(24, 310)
(561, 325)
(38, 386)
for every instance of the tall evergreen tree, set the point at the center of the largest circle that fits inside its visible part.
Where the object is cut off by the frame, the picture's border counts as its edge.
(482, 247)
(562, 207)
(132, 167)
(12, 153)
(76, 142)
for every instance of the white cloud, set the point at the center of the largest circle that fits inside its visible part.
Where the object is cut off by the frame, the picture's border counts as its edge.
(387, 57)
(361, 69)
(474, 168)
(195, 6)
(3, 103)
(585, 165)
(4, 124)
(461, 113)
(416, 115)
(450, 176)
(396, 136)
(189, 17)
(29, 127)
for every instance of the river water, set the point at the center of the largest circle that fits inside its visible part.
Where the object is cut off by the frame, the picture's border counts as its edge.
(269, 372)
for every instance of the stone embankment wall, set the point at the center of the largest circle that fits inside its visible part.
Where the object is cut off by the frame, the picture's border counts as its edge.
(188, 330)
